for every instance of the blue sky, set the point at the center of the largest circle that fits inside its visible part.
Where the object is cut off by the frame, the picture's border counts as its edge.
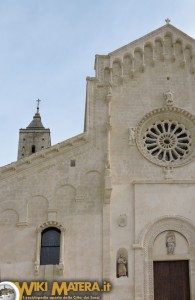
(48, 47)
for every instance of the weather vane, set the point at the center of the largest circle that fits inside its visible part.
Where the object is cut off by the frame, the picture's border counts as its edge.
(38, 101)
(167, 20)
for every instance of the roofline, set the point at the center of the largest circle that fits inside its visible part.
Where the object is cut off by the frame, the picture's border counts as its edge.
(151, 34)
(24, 163)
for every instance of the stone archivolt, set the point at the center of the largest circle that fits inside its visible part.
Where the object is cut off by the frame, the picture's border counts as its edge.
(174, 223)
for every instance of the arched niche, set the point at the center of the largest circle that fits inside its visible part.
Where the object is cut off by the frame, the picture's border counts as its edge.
(93, 186)
(127, 64)
(11, 206)
(116, 71)
(65, 195)
(138, 59)
(106, 75)
(9, 217)
(179, 50)
(37, 209)
(148, 53)
(122, 263)
(188, 55)
(158, 49)
(168, 45)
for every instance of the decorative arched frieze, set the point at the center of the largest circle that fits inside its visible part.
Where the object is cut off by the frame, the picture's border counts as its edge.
(107, 77)
(178, 50)
(92, 185)
(37, 209)
(144, 252)
(9, 217)
(149, 54)
(117, 71)
(188, 57)
(127, 64)
(20, 209)
(65, 196)
(159, 49)
(39, 190)
(138, 60)
(39, 230)
(168, 45)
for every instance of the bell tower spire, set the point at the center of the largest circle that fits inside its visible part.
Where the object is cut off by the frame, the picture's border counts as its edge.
(34, 137)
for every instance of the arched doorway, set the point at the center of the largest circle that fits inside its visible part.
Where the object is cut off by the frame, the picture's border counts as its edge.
(153, 263)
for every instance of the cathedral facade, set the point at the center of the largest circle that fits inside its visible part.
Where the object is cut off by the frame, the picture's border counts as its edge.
(116, 202)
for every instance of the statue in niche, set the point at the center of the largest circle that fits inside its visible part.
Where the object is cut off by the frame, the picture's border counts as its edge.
(170, 242)
(121, 266)
(169, 98)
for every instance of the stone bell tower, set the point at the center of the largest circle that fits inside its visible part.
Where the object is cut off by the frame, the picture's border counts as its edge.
(34, 138)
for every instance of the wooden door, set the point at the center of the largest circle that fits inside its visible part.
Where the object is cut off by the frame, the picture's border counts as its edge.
(171, 280)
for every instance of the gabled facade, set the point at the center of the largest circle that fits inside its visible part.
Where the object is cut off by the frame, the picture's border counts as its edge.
(121, 195)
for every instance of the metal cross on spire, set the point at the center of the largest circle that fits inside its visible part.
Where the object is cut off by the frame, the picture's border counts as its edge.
(167, 20)
(38, 101)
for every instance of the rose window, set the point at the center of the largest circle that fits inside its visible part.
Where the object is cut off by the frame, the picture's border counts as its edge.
(166, 136)
(167, 141)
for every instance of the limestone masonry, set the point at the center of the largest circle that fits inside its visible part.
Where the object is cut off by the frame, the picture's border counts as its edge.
(116, 202)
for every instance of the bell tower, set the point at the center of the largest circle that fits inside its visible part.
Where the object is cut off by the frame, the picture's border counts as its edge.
(34, 138)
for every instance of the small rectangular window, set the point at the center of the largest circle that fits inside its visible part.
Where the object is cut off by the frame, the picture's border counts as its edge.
(73, 163)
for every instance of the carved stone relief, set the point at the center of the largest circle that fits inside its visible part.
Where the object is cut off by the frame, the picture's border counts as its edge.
(122, 220)
(132, 131)
(170, 242)
(168, 172)
(168, 96)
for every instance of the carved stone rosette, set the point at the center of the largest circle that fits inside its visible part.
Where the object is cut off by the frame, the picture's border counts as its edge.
(166, 136)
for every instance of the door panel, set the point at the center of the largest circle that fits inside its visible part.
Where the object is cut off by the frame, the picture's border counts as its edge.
(171, 280)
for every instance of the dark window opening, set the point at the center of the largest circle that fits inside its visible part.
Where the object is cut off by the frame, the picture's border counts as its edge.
(73, 163)
(33, 148)
(50, 246)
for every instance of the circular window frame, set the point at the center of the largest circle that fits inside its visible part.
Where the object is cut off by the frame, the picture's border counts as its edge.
(167, 141)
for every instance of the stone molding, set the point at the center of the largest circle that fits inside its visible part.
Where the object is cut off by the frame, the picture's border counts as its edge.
(39, 230)
(144, 251)
(43, 155)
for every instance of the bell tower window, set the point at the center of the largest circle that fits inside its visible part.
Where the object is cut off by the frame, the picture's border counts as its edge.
(33, 149)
